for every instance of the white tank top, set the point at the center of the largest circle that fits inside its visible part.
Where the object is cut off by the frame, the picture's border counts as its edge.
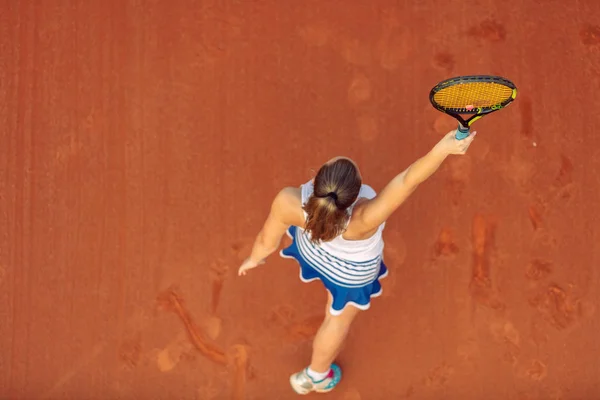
(351, 250)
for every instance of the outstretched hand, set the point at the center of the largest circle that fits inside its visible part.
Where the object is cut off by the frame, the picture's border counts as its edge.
(451, 145)
(248, 264)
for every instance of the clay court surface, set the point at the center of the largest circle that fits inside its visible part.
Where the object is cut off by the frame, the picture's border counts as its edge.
(143, 141)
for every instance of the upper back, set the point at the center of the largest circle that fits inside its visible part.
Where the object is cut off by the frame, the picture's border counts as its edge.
(356, 250)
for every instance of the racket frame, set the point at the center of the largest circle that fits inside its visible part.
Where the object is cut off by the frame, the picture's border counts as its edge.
(464, 126)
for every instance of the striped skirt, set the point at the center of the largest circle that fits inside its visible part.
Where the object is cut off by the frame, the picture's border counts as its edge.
(349, 282)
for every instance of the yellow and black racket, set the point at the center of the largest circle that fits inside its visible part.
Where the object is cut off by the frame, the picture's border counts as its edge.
(478, 95)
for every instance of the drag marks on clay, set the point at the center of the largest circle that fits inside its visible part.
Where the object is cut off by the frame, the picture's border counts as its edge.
(564, 176)
(444, 61)
(239, 362)
(535, 216)
(538, 269)
(459, 175)
(445, 247)
(489, 30)
(391, 49)
(171, 301)
(538, 331)
(171, 355)
(439, 376)
(130, 351)
(481, 288)
(211, 325)
(505, 333)
(352, 50)
(282, 315)
(295, 329)
(532, 369)
(559, 307)
(236, 358)
(482, 234)
(218, 273)
(305, 329)
(537, 370)
(564, 188)
(561, 190)
(589, 35)
(544, 238)
(359, 89)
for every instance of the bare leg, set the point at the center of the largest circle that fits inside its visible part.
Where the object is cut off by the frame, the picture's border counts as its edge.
(330, 337)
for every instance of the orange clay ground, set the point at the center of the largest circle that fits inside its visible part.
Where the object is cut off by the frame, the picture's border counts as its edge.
(142, 142)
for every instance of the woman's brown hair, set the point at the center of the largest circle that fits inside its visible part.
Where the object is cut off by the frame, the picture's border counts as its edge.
(336, 187)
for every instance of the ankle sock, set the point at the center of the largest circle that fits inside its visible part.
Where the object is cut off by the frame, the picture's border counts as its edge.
(317, 376)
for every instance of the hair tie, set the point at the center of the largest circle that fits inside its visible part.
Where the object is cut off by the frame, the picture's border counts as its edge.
(333, 195)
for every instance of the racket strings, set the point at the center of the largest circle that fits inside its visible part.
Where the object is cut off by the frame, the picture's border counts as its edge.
(475, 94)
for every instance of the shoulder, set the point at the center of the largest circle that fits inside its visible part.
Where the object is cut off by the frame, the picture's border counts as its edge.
(357, 224)
(366, 194)
(288, 196)
(287, 206)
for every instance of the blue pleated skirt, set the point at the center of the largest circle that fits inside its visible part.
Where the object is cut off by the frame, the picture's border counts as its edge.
(359, 297)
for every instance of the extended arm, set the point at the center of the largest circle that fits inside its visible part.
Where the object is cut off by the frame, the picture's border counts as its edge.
(379, 209)
(283, 214)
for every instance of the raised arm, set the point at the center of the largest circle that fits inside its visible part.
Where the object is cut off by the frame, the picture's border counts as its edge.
(378, 210)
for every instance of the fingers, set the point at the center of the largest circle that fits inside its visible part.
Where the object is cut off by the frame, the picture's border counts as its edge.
(463, 145)
(452, 134)
(243, 269)
(248, 264)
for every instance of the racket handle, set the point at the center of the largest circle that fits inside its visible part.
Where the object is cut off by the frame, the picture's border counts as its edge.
(462, 132)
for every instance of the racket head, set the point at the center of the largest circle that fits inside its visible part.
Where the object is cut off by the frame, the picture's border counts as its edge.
(472, 94)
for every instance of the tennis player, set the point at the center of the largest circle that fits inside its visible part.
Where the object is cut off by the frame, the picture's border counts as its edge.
(336, 222)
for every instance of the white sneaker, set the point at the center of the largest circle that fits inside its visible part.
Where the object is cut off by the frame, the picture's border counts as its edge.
(302, 383)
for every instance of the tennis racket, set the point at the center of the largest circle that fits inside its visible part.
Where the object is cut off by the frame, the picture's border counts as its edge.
(475, 95)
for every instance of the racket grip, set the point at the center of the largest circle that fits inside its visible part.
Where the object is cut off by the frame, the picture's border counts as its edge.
(461, 132)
